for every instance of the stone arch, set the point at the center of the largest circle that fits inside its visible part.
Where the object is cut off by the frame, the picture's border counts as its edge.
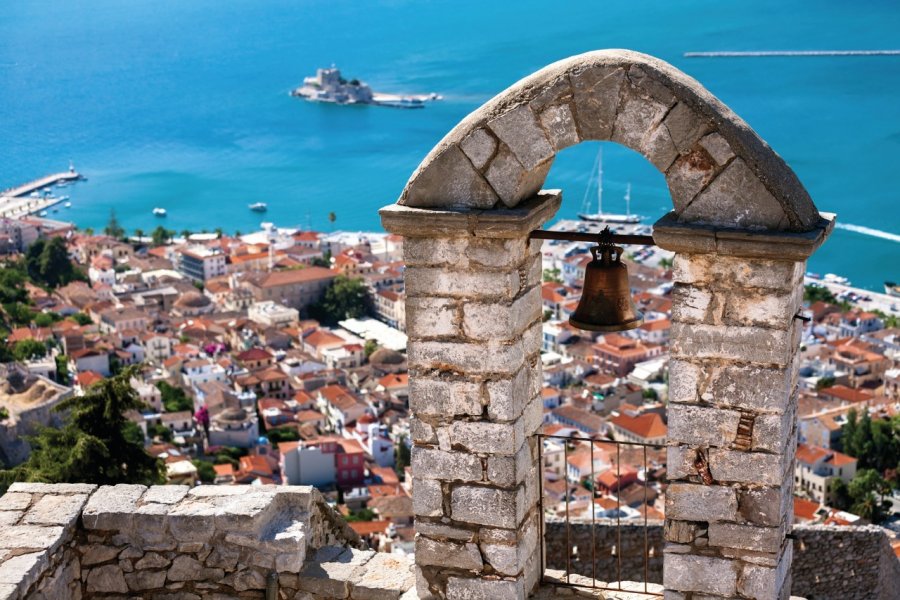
(719, 171)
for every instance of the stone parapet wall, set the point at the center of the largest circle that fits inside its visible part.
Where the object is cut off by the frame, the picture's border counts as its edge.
(830, 563)
(81, 541)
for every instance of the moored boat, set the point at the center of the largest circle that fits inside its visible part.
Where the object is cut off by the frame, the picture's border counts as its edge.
(892, 289)
(600, 216)
(258, 207)
(159, 212)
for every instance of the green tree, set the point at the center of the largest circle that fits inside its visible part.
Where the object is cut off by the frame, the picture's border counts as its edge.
(28, 349)
(185, 233)
(282, 434)
(138, 233)
(840, 495)
(666, 263)
(46, 319)
(218, 231)
(56, 268)
(82, 319)
(552, 275)
(824, 382)
(159, 236)
(332, 217)
(345, 298)
(62, 369)
(93, 446)
(173, 398)
(160, 431)
(18, 313)
(370, 347)
(403, 456)
(113, 229)
(205, 471)
(12, 285)
(4, 413)
(867, 491)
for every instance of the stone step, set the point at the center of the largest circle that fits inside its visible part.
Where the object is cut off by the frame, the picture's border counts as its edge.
(337, 572)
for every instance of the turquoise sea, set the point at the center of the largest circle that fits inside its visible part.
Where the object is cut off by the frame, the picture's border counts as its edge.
(185, 104)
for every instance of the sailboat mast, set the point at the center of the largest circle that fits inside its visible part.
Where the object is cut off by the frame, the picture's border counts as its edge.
(628, 200)
(600, 182)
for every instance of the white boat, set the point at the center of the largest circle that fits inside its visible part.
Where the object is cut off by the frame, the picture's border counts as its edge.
(832, 278)
(892, 289)
(600, 216)
(43, 213)
(159, 212)
(68, 205)
(63, 198)
(258, 207)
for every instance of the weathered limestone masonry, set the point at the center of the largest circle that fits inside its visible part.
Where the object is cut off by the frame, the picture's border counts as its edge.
(165, 542)
(474, 326)
(742, 226)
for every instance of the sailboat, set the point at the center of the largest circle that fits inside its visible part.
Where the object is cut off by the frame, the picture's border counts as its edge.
(600, 216)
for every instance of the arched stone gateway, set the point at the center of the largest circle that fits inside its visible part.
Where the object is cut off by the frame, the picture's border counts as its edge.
(742, 228)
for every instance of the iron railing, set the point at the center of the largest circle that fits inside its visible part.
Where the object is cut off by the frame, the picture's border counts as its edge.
(600, 566)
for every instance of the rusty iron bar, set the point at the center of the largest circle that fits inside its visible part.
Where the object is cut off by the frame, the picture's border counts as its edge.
(566, 492)
(578, 236)
(593, 521)
(646, 541)
(541, 504)
(618, 516)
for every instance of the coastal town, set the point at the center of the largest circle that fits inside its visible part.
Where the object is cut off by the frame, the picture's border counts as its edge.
(278, 357)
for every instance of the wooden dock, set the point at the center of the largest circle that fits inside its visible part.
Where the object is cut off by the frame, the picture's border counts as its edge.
(39, 184)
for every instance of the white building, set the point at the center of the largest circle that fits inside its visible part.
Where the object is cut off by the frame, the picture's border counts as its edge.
(201, 263)
(306, 465)
(272, 314)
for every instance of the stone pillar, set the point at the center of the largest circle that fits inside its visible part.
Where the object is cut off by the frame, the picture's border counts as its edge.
(732, 410)
(474, 326)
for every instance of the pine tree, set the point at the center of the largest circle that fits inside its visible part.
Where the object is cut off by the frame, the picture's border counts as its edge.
(97, 443)
(113, 229)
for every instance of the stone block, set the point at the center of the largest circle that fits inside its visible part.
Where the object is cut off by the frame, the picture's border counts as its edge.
(106, 579)
(192, 521)
(762, 309)
(512, 181)
(552, 93)
(386, 576)
(23, 571)
(760, 582)
(448, 180)
(494, 321)
(694, 502)
(687, 176)
(736, 198)
(738, 272)
(431, 317)
(18, 501)
(746, 467)
(680, 532)
(559, 123)
(435, 252)
(52, 488)
(112, 507)
(440, 531)
(534, 416)
(743, 344)
(692, 304)
(497, 253)
(487, 506)
(428, 463)
(685, 126)
(717, 147)
(55, 510)
(506, 397)
(658, 147)
(519, 130)
(767, 506)
(10, 517)
(331, 576)
(680, 461)
(702, 425)
(596, 94)
(421, 432)
(432, 281)
(772, 433)
(165, 494)
(707, 574)
(95, 554)
(145, 580)
(759, 389)
(448, 554)
(746, 537)
(510, 558)
(509, 471)
(484, 589)
(427, 497)
(479, 146)
(636, 116)
(21, 539)
(488, 438)
(444, 397)
(470, 358)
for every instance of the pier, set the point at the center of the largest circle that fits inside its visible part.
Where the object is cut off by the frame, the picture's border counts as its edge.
(18, 202)
(767, 53)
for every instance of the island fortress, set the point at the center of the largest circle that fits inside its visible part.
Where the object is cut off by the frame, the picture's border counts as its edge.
(742, 228)
(329, 86)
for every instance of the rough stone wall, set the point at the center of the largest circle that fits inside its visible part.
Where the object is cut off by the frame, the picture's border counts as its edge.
(844, 563)
(609, 546)
(830, 563)
(718, 170)
(473, 317)
(80, 541)
(732, 425)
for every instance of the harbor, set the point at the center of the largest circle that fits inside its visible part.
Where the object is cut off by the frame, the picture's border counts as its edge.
(34, 196)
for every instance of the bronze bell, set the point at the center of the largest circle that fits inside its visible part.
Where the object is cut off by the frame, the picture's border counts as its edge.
(606, 303)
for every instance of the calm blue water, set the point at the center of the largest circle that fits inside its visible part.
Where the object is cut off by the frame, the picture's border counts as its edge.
(185, 104)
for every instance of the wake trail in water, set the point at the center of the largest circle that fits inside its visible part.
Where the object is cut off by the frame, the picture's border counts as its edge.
(885, 235)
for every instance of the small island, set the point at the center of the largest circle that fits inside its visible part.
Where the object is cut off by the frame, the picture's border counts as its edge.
(328, 85)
